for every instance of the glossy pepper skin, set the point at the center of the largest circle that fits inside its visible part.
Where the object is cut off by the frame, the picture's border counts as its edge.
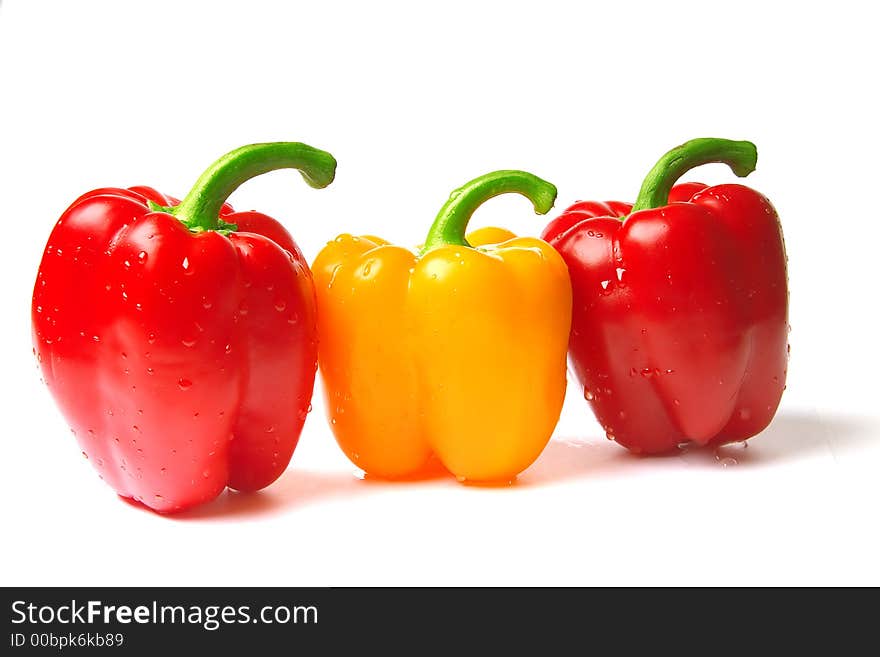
(680, 323)
(179, 340)
(456, 352)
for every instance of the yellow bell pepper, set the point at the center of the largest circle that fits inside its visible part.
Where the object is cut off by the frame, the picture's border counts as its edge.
(457, 352)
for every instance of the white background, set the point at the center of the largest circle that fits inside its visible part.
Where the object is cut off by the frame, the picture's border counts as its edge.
(413, 101)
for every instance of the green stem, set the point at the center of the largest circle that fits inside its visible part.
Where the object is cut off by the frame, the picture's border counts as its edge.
(200, 209)
(451, 223)
(740, 156)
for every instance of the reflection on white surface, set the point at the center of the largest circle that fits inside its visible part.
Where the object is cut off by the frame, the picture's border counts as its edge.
(792, 437)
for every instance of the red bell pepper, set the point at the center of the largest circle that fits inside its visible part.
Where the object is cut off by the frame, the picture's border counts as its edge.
(680, 324)
(179, 339)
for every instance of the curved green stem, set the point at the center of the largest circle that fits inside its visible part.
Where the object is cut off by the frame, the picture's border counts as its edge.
(200, 208)
(740, 156)
(451, 223)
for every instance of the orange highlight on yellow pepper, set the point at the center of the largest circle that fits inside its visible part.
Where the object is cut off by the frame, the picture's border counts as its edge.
(458, 352)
